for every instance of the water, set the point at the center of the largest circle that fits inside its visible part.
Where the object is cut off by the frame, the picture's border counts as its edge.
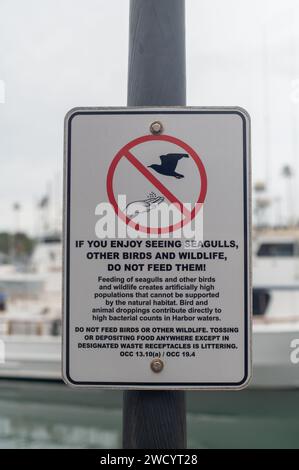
(50, 415)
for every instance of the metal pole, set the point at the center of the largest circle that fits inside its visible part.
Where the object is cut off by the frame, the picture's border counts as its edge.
(157, 63)
(157, 77)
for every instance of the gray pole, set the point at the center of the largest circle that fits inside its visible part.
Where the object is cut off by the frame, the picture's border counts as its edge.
(157, 63)
(157, 77)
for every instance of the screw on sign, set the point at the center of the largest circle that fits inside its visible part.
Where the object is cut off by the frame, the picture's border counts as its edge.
(156, 127)
(157, 365)
(167, 167)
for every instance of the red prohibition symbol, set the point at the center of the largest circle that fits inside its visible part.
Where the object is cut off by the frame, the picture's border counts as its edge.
(128, 152)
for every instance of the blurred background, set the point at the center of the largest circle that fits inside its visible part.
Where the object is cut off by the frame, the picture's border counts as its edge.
(57, 55)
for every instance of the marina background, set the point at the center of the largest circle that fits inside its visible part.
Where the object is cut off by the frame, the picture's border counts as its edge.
(55, 56)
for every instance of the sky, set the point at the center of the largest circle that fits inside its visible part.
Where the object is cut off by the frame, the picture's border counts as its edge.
(55, 55)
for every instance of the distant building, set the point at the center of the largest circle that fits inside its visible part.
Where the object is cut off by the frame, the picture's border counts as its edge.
(3, 258)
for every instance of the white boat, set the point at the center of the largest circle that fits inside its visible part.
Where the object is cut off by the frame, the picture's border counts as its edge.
(275, 308)
(32, 357)
(30, 323)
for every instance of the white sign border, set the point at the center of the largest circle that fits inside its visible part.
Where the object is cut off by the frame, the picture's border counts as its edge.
(247, 245)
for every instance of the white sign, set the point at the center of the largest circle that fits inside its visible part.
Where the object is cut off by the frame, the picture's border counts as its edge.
(157, 242)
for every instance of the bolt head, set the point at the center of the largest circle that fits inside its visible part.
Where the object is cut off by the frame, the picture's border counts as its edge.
(157, 365)
(156, 127)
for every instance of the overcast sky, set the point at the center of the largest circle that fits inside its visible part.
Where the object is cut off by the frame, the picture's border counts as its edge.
(57, 54)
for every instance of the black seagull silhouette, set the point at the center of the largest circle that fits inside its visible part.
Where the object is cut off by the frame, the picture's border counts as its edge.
(168, 164)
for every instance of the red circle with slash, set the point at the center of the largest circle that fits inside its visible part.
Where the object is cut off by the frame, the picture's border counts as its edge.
(125, 152)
